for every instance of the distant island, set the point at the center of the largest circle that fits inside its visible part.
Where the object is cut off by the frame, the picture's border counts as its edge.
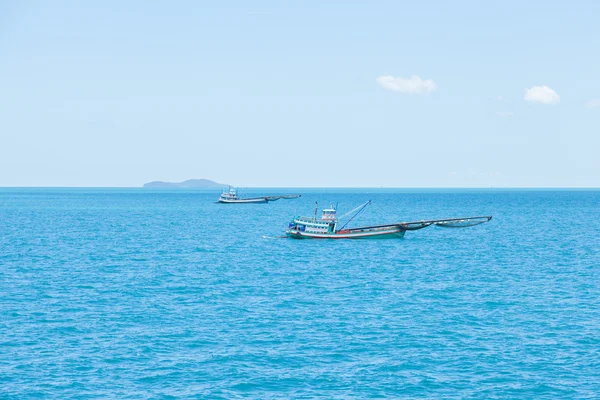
(189, 184)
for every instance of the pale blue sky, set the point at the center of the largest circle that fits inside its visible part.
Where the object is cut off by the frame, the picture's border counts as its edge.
(275, 93)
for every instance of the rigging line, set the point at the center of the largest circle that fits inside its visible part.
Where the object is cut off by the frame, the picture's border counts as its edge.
(354, 210)
(358, 212)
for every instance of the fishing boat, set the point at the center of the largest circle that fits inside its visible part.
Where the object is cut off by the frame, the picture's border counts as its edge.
(230, 196)
(326, 227)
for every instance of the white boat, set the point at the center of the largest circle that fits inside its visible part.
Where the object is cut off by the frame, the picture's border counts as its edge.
(231, 197)
(326, 227)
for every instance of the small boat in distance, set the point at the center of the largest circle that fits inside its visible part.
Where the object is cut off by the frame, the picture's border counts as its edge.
(230, 197)
(326, 227)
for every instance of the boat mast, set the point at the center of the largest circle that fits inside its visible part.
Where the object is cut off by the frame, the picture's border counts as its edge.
(316, 209)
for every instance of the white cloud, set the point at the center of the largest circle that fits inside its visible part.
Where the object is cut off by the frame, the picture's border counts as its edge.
(542, 94)
(505, 113)
(413, 85)
(594, 103)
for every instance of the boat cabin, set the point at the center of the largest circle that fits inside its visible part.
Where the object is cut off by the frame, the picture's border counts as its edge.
(231, 195)
(326, 224)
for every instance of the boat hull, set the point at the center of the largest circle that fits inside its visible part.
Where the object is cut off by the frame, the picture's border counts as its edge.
(244, 201)
(396, 233)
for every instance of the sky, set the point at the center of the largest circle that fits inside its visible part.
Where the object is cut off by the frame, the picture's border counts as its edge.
(300, 93)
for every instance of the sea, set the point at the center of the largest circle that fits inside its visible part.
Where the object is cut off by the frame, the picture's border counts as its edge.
(160, 294)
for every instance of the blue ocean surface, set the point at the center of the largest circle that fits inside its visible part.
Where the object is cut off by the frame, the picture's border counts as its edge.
(131, 293)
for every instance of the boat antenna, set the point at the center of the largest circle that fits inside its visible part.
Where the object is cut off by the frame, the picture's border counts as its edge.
(358, 211)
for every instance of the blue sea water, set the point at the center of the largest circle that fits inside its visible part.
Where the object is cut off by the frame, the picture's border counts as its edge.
(157, 294)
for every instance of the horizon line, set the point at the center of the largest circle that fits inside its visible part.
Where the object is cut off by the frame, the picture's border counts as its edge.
(304, 187)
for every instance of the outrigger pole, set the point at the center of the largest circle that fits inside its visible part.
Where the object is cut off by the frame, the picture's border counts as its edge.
(444, 223)
(359, 208)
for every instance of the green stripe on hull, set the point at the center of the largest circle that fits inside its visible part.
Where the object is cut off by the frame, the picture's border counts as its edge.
(378, 236)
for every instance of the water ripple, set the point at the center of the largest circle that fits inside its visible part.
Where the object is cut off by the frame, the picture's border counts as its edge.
(137, 294)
